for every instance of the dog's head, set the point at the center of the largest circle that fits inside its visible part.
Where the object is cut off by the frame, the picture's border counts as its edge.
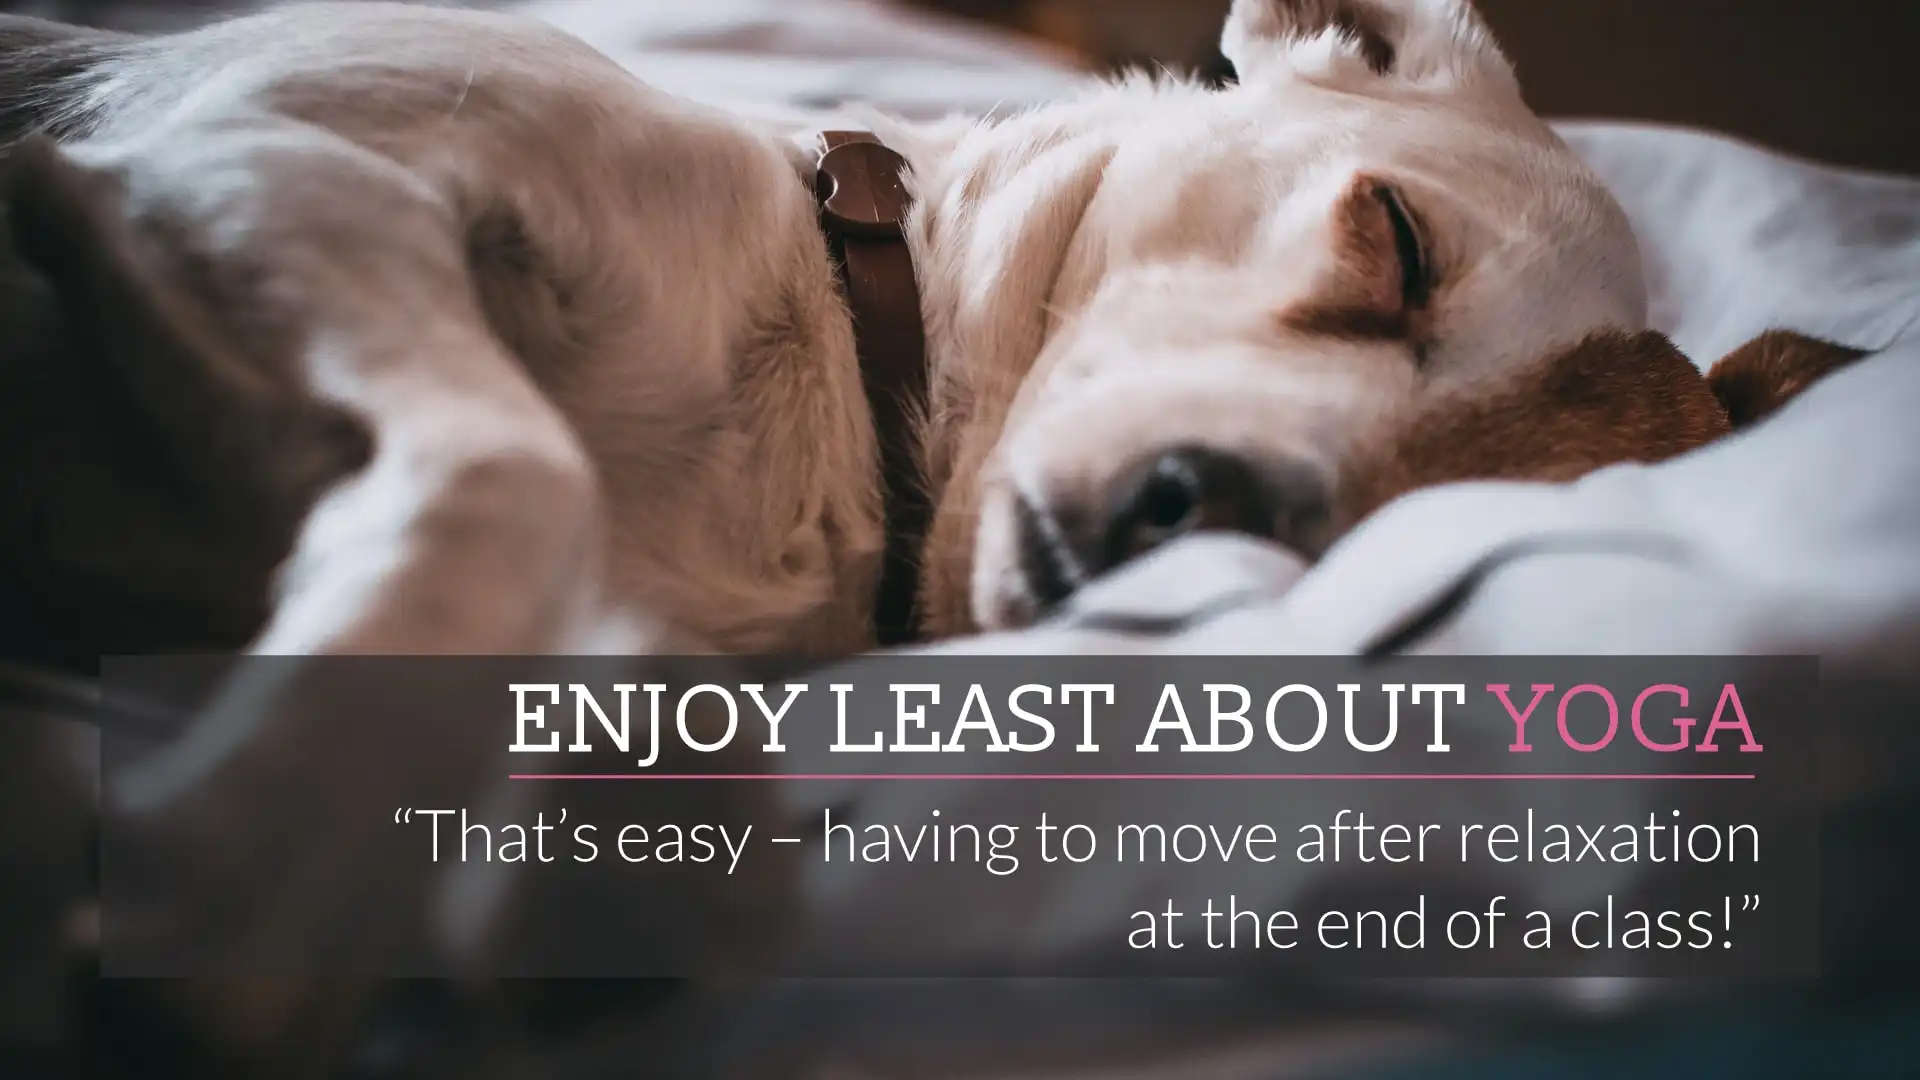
(1365, 267)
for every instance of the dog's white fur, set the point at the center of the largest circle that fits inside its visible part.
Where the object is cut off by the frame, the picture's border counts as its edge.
(1102, 275)
(660, 412)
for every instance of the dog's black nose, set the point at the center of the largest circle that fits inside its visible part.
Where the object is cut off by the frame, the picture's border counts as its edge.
(1194, 489)
(1169, 495)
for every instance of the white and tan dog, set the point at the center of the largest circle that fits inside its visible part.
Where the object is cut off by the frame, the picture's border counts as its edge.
(379, 329)
(497, 341)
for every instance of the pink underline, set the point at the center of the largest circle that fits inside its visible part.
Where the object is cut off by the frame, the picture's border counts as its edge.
(841, 777)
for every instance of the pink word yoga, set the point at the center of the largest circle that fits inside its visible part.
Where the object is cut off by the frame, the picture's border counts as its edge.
(1654, 718)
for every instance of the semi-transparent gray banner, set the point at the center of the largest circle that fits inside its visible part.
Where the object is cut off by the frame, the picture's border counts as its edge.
(931, 816)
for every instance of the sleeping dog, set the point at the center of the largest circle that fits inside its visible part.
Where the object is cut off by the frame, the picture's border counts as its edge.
(379, 329)
(403, 329)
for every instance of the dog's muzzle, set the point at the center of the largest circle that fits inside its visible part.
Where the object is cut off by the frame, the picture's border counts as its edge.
(1066, 544)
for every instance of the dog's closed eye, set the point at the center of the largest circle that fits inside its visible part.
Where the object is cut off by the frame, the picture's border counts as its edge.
(1410, 248)
(1380, 285)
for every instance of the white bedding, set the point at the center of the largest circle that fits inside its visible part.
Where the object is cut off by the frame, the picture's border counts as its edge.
(813, 54)
(1800, 536)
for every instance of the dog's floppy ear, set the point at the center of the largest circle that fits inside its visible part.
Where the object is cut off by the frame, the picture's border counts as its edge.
(1423, 41)
(153, 472)
(1759, 377)
(1614, 397)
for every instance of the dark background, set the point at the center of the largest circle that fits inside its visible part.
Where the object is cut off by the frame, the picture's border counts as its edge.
(1837, 80)
(1834, 80)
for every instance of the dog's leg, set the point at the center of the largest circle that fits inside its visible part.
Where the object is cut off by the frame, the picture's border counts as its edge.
(164, 427)
(473, 528)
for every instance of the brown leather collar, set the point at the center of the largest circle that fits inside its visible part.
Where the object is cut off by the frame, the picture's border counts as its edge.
(863, 204)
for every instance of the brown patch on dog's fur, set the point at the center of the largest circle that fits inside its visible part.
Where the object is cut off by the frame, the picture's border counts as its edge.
(1348, 323)
(1753, 381)
(1375, 49)
(1615, 397)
